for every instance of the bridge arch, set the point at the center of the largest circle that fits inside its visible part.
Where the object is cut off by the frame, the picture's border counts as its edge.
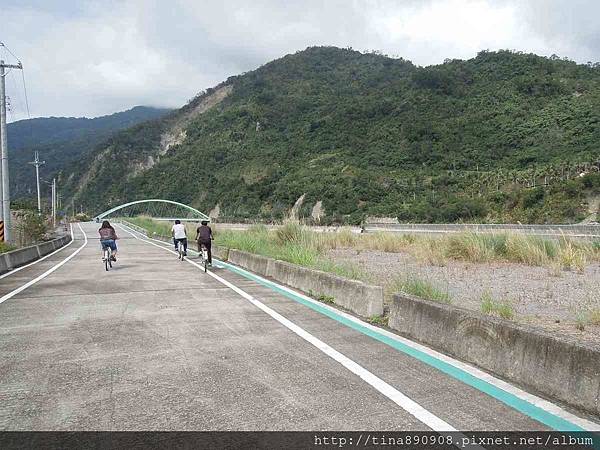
(192, 213)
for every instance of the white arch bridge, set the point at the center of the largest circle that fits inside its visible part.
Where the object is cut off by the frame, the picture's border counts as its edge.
(158, 209)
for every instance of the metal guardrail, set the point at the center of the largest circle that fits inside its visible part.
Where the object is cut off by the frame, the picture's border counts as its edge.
(580, 231)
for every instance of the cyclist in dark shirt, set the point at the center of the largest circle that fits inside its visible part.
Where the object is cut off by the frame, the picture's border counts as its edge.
(204, 237)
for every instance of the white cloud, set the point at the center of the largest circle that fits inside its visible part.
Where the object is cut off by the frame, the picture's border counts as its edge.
(97, 56)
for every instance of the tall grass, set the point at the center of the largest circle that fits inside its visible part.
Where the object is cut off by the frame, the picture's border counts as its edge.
(292, 243)
(419, 288)
(489, 247)
(502, 308)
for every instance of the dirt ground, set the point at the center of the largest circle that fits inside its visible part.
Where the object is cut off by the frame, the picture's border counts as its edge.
(538, 297)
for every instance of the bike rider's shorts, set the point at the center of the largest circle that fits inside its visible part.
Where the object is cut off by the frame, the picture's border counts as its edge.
(109, 243)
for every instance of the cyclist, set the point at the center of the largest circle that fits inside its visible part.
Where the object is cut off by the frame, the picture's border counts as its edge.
(179, 236)
(203, 237)
(108, 236)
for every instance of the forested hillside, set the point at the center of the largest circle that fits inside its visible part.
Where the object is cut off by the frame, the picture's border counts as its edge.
(501, 137)
(62, 140)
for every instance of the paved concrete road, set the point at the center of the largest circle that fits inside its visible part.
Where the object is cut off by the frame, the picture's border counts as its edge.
(156, 344)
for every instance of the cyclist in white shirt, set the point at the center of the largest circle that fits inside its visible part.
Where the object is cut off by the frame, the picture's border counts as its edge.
(179, 235)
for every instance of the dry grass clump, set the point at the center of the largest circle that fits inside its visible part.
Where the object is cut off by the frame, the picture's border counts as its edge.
(418, 287)
(430, 251)
(587, 317)
(488, 247)
(594, 316)
(572, 255)
(386, 242)
(475, 247)
(501, 308)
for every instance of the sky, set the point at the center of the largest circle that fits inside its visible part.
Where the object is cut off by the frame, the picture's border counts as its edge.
(95, 57)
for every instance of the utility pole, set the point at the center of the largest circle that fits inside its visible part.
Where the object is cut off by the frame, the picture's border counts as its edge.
(54, 202)
(37, 163)
(4, 149)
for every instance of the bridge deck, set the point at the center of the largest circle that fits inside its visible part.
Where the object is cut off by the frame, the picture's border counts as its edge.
(156, 344)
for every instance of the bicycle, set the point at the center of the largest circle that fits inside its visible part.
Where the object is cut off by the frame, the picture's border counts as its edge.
(204, 257)
(107, 256)
(180, 250)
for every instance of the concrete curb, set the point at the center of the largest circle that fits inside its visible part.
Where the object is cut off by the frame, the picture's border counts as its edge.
(22, 256)
(356, 296)
(555, 367)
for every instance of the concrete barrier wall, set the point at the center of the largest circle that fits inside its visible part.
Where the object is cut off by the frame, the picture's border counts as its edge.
(221, 253)
(46, 247)
(555, 367)
(255, 263)
(22, 256)
(4, 263)
(358, 297)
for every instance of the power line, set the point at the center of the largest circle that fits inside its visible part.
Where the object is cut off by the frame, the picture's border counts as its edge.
(2, 44)
(25, 91)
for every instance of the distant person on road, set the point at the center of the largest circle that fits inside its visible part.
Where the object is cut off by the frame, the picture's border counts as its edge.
(204, 237)
(108, 236)
(179, 236)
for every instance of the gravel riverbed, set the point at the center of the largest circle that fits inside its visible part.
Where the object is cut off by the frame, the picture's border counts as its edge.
(538, 296)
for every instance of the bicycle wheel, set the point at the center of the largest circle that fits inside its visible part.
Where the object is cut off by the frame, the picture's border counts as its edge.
(205, 265)
(106, 259)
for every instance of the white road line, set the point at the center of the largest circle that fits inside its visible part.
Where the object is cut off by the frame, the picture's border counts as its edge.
(41, 259)
(48, 272)
(505, 386)
(412, 407)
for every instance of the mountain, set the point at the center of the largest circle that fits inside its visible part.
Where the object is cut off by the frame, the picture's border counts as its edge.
(504, 136)
(62, 140)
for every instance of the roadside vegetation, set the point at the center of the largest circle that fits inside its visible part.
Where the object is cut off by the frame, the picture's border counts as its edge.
(4, 247)
(298, 244)
(587, 317)
(28, 226)
(502, 308)
(419, 288)
(153, 227)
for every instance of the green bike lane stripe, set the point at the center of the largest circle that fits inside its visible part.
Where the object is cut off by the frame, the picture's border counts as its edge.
(547, 418)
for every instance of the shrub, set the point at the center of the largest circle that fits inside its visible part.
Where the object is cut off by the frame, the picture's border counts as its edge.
(475, 247)
(4, 247)
(30, 227)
